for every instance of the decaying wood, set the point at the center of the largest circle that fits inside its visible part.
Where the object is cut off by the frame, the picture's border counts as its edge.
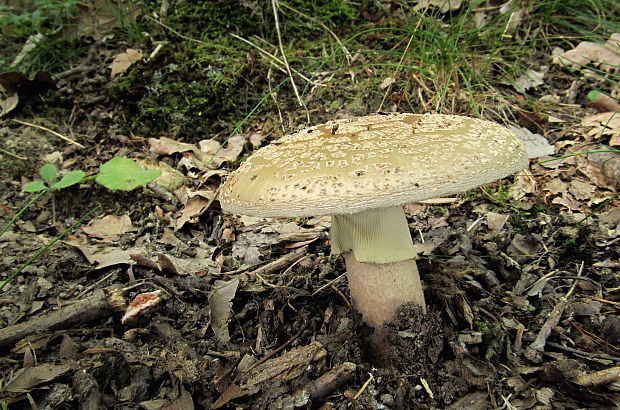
(537, 347)
(328, 382)
(598, 378)
(280, 263)
(96, 307)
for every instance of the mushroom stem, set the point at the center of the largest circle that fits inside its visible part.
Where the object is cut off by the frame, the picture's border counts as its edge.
(380, 259)
(379, 289)
(375, 236)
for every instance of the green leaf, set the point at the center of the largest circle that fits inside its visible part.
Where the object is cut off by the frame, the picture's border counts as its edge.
(69, 179)
(593, 95)
(124, 174)
(48, 173)
(34, 186)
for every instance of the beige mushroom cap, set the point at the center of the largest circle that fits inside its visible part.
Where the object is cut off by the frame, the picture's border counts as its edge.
(376, 161)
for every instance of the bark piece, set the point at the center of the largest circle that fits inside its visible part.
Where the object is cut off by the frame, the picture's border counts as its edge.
(95, 307)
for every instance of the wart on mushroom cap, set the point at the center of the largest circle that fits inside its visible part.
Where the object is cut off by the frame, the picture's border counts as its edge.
(361, 172)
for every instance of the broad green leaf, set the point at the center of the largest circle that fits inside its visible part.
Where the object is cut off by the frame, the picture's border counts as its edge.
(48, 173)
(69, 179)
(124, 174)
(34, 186)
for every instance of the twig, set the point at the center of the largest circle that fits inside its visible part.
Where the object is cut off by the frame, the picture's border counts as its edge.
(396, 70)
(364, 386)
(272, 94)
(176, 32)
(94, 307)
(534, 351)
(327, 382)
(347, 54)
(280, 263)
(69, 140)
(286, 65)
(582, 353)
(598, 378)
(275, 61)
(330, 283)
(10, 154)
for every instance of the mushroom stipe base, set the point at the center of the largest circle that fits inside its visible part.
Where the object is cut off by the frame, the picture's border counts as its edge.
(379, 289)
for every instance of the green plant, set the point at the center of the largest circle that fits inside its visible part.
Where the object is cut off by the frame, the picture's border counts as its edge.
(117, 174)
(49, 173)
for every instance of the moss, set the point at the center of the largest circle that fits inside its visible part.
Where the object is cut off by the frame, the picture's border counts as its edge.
(190, 91)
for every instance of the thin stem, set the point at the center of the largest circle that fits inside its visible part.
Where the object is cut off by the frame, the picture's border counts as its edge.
(46, 247)
(21, 211)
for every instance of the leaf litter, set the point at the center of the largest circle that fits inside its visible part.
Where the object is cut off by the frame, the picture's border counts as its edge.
(523, 302)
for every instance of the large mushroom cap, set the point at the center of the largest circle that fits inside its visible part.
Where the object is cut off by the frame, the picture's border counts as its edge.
(377, 161)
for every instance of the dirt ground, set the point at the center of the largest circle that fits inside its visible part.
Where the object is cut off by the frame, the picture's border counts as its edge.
(521, 276)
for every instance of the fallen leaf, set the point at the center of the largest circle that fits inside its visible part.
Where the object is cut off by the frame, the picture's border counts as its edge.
(109, 228)
(529, 79)
(220, 304)
(167, 146)
(605, 123)
(8, 104)
(535, 144)
(191, 211)
(388, 81)
(606, 55)
(581, 190)
(443, 5)
(25, 379)
(140, 304)
(216, 154)
(124, 60)
(495, 221)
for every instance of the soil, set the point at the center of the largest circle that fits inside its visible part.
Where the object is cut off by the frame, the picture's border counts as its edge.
(521, 278)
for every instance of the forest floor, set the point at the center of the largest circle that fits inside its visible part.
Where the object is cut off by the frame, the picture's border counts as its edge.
(521, 276)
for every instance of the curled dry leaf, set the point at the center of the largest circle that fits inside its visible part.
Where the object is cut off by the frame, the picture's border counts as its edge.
(124, 60)
(220, 303)
(141, 303)
(109, 228)
(605, 123)
(605, 55)
(443, 5)
(217, 154)
(535, 144)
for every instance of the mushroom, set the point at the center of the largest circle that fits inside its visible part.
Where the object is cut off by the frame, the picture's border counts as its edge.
(362, 172)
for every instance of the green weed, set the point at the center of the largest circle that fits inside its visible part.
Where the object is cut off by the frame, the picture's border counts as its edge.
(117, 174)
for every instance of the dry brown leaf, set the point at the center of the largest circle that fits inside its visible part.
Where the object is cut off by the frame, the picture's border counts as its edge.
(581, 190)
(109, 228)
(25, 379)
(220, 304)
(8, 104)
(388, 81)
(215, 154)
(141, 303)
(524, 183)
(496, 222)
(124, 60)
(443, 5)
(191, 211)
(605, 55)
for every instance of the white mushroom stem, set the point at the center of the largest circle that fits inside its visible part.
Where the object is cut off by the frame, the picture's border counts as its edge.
(380, 261)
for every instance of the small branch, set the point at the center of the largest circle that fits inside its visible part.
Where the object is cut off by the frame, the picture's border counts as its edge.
(10, 154)
(395, 73)
(176, 32)
(62, 137)
(286, 65)
(535, 350)
(95, 307)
